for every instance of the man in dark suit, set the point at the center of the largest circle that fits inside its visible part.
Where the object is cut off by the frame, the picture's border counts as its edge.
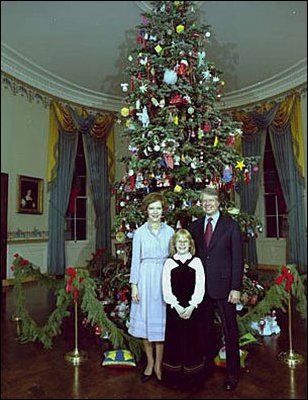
(218, 242)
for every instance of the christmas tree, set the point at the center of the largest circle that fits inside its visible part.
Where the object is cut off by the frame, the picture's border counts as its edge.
(179, 140)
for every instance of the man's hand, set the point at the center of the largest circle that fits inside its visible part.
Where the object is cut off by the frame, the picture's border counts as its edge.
(234, 297)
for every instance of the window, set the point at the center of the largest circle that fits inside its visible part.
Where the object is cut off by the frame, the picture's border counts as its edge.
(76, 214)
(275, 206)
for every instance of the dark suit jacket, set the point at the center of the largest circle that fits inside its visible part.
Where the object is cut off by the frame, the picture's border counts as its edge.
(223, 260)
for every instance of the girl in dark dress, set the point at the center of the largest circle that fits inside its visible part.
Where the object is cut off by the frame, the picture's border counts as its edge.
(183, 291)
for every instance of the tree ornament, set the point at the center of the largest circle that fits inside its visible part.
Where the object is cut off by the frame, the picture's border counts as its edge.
(240, 165)
(227, 174)
(201, 58)
(230, 139)
(158, 49)
(124, 87)
(200, 133)
(206, 127)
(169, 160)
(176, 100)
(125, 112)
(144, 20)
(141, 40)
(247, 174)
(170, 77)
(139, 181)
(180, 28)
(154, 101)
(144, 117)
(177, 189)
(143, 61)
(98, 330)
(143, 88)
(182, 68)
(206, 75)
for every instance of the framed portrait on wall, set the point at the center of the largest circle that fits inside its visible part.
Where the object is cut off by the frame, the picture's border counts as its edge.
(30, 195)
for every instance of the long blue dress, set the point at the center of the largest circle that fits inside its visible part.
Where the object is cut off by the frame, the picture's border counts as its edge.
(149, 252)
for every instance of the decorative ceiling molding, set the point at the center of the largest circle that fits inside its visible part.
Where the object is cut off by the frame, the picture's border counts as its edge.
(21, 68)
(37, 77)
(146, 6)
(283, 82)
(22, 89)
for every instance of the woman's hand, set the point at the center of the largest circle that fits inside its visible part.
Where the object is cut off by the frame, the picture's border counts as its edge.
(135, 293)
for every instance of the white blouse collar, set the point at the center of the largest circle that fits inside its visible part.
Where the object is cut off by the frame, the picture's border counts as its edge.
(182, 257)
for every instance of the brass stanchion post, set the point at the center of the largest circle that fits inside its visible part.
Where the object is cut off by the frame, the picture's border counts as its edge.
(76, 357)
(15, 318)
(290, 357)
(18, 329)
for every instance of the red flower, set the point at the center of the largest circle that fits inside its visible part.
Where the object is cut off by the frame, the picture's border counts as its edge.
(71, 271)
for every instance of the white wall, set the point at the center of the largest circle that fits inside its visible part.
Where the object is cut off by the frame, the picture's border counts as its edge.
(24, 135)
(24, 151)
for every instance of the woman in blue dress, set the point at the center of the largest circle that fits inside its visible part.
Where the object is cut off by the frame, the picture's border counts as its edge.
(150, 249)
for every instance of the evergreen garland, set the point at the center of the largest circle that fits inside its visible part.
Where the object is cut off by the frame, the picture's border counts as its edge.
(30, 330)
(77, 286)
(277, 297)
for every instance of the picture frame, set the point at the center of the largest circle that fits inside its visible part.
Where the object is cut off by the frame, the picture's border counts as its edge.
(30, 195)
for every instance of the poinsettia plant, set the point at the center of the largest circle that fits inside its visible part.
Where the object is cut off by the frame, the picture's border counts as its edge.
(95, 263)
(252, 291)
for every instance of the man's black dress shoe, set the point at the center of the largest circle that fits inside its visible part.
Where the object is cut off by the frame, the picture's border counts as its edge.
(145, 378)
(230, 384)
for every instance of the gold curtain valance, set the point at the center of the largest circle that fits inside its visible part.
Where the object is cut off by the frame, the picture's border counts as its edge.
(281, 118)
(289, 111)
(64, 118)
(100, 128)
(249, 126)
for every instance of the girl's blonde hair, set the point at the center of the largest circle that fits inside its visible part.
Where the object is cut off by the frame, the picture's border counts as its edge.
(185, 234)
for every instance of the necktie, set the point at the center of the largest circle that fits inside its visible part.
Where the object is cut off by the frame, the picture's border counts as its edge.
(208, 232)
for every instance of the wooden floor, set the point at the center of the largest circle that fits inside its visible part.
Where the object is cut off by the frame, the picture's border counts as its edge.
(30, 372)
